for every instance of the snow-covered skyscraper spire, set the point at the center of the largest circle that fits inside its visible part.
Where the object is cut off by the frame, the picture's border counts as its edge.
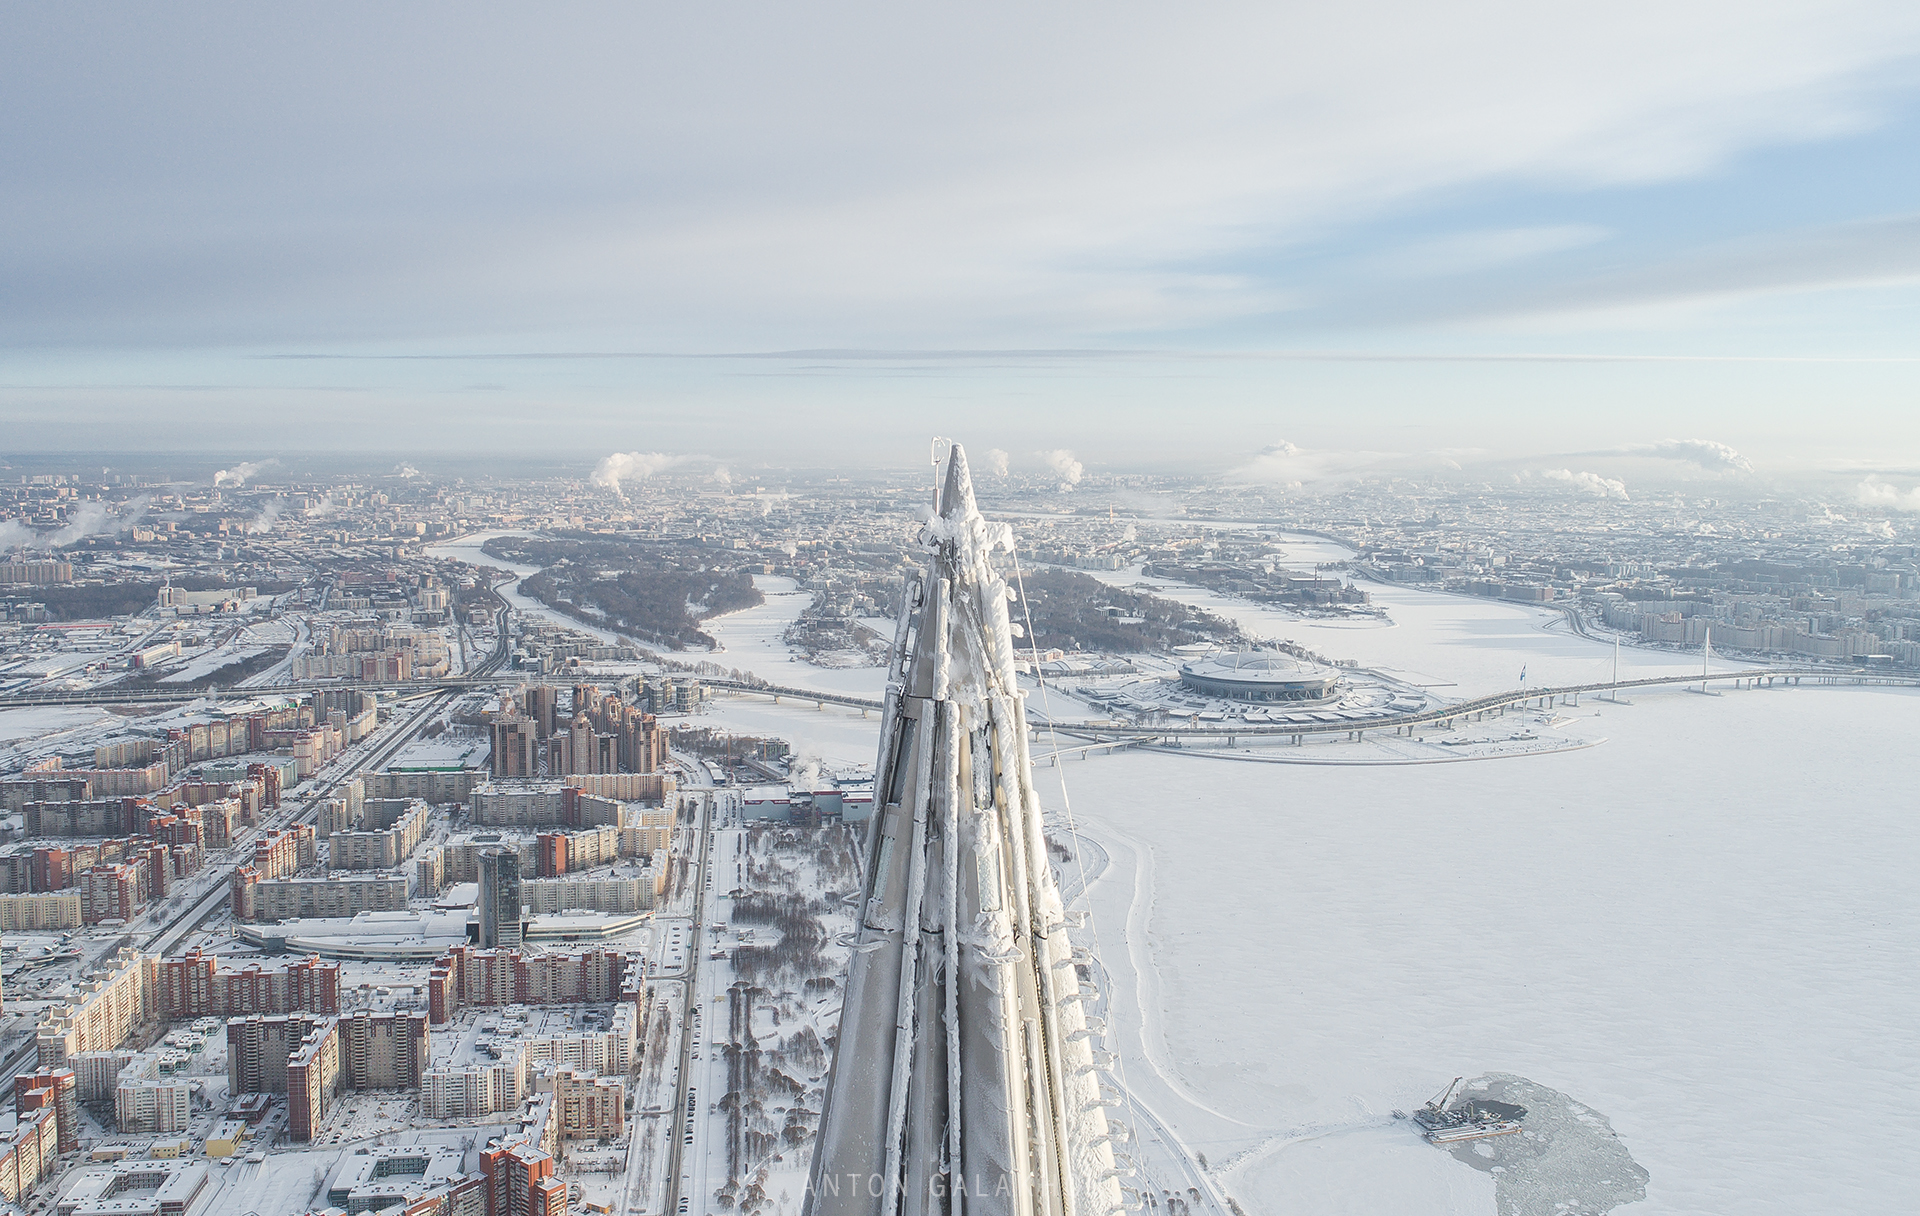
(963, 1080)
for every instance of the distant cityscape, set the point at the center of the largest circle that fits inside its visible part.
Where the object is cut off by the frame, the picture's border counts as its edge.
(343, 810)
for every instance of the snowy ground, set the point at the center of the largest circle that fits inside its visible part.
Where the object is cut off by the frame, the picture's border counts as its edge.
(215, 658)
(839, 738)
(775, 1024)
(19, 724)
(1704, 928)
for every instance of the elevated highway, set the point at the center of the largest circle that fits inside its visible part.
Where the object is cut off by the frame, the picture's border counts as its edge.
(1445, 715)
(489, 676)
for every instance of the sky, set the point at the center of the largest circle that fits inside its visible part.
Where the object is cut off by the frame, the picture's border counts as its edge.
(1391, 234)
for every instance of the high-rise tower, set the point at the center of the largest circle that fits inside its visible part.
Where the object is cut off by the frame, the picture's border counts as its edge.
(499, 899)
(963, 1080)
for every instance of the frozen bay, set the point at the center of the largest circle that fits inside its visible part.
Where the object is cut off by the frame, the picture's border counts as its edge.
(1704, 928)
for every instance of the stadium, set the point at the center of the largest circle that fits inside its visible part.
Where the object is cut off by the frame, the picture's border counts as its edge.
(1261, 675)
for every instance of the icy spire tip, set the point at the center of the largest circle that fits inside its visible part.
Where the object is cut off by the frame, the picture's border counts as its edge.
(956, 499)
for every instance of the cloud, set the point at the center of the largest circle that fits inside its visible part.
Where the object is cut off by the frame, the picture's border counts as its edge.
(1643, 283)
(518, 177)
(997, 462)
(1590, 483)
(1876, 493)
(1878, 251)
(1461, 252)
(631, 466)
(1170, 179)
(1064, 466)
(1293, 467)
(1705, 453)
(240, 474)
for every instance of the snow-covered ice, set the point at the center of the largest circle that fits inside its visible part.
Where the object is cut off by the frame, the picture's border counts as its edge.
(19, 724)
(1705, 929)
(750, 641)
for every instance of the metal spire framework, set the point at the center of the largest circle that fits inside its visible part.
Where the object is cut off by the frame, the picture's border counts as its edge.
(963, 1077)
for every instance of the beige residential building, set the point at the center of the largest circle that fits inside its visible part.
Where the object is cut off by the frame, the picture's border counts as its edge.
(334, 895)
(627, 787)
(473, 1090)
(39, 913)
(333, 817)
(153, 1105)
(590, 1107)
(381, 847)
(644, 841)
(106, 1008)
(546, 896)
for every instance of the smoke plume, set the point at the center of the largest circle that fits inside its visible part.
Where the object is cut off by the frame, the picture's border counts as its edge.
(96, 518)
(269, 515)
(1064, 466)
(997, 461)
(1591, 483)
(804, 772)
(1876, 493)
(14, 534)
(240, 474)
(631, 466)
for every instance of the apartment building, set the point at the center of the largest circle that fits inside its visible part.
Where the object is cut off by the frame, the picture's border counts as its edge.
(335, 895)
(590, 1107)
(547, 896)
(46, 913)
(105, 1009)
(467, 977)
(391, 829)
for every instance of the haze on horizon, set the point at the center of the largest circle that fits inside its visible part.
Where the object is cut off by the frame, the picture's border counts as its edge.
(1290, 243)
